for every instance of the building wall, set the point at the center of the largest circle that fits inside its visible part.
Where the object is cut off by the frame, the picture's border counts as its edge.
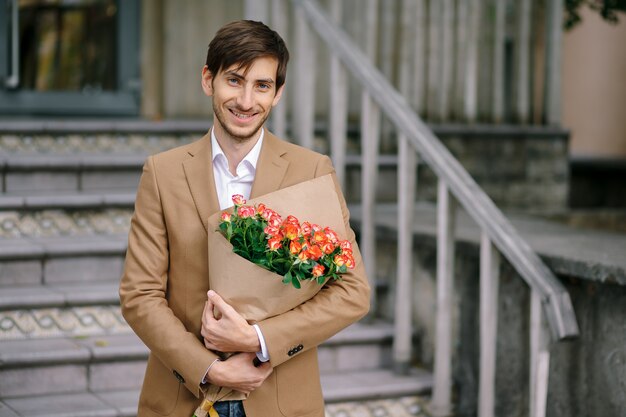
(594, 87)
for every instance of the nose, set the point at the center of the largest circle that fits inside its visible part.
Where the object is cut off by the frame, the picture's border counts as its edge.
(245, 100)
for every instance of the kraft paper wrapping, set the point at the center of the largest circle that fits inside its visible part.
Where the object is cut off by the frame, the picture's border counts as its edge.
(253, 291)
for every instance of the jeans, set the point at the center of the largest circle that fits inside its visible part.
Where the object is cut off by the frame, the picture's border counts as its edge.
(229, 409)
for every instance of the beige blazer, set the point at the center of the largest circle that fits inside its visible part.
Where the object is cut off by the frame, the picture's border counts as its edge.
(165, 281)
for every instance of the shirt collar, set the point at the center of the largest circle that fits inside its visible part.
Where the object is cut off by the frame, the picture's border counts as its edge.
(252, 157)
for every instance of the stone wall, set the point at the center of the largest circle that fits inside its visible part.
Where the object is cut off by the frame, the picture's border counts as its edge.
(519, 168)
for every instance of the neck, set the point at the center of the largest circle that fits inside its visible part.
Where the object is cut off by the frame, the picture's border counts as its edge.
(235, 150)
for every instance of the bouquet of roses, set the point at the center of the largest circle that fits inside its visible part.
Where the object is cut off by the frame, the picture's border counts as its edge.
(253, 250)
(286, 247)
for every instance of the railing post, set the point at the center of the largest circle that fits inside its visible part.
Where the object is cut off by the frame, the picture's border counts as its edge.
(279, 113)
(338, 112)
(370, 138)
(489, 284)
(522, 48)
(471, 59)
(403, 328)
(539, 357)
(552, 98)
(498, 62)
(446, 218)
(419, 53)
(303, 112)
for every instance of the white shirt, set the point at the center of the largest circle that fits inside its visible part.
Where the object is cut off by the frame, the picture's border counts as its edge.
(228, 184)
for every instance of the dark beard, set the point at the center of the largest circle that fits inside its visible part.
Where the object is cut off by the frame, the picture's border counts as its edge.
(239, 138)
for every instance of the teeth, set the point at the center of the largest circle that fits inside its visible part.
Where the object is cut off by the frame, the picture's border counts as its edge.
(242, 116)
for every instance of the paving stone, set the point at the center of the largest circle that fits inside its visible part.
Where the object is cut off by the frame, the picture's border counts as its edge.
(117, 375)
(20, 273)
(83, 269)
(14, 353)
(124, 180)
(40, 181)
(42, 380)
(68, 405)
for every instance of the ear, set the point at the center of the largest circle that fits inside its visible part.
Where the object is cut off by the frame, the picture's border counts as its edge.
(278, 95)
(207, 81)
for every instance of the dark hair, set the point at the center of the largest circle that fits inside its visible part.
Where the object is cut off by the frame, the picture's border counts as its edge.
(243, 41)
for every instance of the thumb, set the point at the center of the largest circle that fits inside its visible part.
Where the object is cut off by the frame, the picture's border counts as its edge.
(219, 302)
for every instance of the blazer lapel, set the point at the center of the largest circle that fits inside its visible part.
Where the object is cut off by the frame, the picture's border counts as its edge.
(199, 173)
(271, 167)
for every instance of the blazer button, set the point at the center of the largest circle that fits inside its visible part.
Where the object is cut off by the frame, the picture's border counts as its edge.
(290, 353)
(300, 347)
(179, 377)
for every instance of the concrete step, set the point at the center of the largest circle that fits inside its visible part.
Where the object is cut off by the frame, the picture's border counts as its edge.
(59, 295)
(123, 403)
(55, 260)
(68, 200)
(46, 366)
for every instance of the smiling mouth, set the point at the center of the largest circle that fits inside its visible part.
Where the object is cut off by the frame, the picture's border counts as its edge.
(242, 116)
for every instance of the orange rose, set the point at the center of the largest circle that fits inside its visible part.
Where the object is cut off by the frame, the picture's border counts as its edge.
(245, 212)
(290, 230)
(226, 217)
(292, 220)
(346, 246)
(339, 260)
(331, 235)
(306, 228)
(295, 247)
(349, 260)
(272, 231)
(315, 252)
(328, 248)
(238, 199)
(274, 244)
(303, 256)
(260, 208)
(319, 237)
(274, 221)
(318, 270)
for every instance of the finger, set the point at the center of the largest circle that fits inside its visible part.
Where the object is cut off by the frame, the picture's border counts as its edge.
(209, 307)
(219, 302)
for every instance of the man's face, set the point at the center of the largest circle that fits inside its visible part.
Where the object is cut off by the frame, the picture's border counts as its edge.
(242, 100)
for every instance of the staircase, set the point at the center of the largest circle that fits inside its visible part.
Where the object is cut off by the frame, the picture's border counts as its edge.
(65, 349)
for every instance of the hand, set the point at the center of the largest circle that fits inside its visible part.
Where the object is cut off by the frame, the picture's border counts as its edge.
(228, 333)
(238, 373)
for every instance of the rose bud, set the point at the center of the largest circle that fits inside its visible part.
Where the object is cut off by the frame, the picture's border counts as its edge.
(238, 199)
(295, 247)
(245, 211)
(320, 237)
(291, 231)
(305, 227)
(274, 244)
(316, 228)
(274, 221)
(349, 261)
(331, 235)
(318, 270)
(339, 260)
(328, 248)
(272, 231)
(226, 217)
(304, 256)
(292, 220)
(346, 246)
(260, 208)
(315, 252)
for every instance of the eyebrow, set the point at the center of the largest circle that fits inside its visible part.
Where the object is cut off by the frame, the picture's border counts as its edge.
(242, 77)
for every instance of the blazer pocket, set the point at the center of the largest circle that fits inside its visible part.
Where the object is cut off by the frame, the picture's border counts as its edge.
(298, 385)
(160, 389)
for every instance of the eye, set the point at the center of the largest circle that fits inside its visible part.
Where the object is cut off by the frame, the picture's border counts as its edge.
(264, 86)
(233, 81)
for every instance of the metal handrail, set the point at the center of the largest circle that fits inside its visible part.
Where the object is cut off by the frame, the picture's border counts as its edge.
(556, 302)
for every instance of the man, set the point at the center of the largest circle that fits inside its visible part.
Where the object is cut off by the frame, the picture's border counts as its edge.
(165, 283)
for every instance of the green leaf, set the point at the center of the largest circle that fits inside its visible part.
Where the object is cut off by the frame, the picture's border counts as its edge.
(295, 282)
(287, 278)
